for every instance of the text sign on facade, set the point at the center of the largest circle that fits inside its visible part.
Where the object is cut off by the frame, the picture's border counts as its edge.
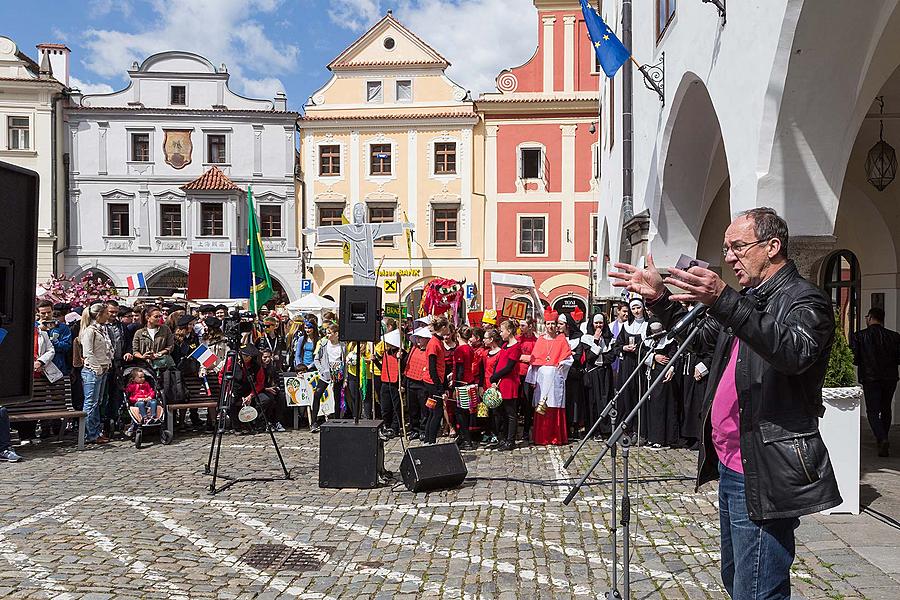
(513, 309)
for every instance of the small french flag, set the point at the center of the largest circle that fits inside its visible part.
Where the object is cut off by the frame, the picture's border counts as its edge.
(135, 282)
(204, 356)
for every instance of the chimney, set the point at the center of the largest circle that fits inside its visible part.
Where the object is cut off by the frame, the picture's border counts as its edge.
(58, 57)
(281, 102)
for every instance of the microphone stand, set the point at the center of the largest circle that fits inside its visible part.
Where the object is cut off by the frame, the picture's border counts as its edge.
(618, 437)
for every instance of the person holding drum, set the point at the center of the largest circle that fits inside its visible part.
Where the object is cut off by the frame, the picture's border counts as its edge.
(465, 388)
(506, 380)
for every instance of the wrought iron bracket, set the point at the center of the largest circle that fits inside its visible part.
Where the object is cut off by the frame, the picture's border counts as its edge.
(720, 6)
(655, 77)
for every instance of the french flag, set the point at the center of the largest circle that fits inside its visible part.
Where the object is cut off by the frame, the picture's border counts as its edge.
(204, 356)
(218, 276)
(135, 282)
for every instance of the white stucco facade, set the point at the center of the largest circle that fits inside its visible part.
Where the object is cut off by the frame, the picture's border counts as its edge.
(773, 108)
(117, 144)
(31, 97)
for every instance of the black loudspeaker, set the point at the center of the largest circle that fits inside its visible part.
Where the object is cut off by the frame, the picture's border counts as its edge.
(360, 308)
(351, 455)
(429, 468)
(18, 268)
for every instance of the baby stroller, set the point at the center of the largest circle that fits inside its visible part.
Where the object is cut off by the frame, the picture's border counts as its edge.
(139, 429)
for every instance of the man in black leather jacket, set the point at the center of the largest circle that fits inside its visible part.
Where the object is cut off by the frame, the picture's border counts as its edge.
(876, 351)
(770, 345)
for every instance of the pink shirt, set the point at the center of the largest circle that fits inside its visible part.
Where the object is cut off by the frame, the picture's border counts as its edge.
(726, 418)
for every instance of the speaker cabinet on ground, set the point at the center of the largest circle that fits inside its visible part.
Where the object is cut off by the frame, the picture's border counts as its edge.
(359, 308)
(351, 455)
(429, 468)
(18, 266)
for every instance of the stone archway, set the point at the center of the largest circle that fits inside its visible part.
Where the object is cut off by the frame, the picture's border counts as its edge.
(694, 174)
(167, 282)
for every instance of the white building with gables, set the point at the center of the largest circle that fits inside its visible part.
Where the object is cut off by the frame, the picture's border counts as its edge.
(160, 169)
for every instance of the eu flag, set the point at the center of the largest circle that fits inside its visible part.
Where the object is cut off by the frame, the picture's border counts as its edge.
(610, 52)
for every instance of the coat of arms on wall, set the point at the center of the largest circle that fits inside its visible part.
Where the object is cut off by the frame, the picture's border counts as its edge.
(177, 147)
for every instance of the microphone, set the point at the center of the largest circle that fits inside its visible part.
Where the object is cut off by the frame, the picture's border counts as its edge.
(684, 322)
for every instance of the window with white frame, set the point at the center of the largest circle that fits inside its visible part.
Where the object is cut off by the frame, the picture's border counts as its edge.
(212, 219)
(140, 146)
(18, 133)
(170, 220)
(445, 224)
(665, 12)
(445, 158)
(380, 159)
(595, 234)
(178, 95)
(404, 90)
(595, 161)
(270, 220)
(374, 92)
(117, 219)
(531, 163)
(382, 213)
(216, 148)
(330, 160)
(532, 235)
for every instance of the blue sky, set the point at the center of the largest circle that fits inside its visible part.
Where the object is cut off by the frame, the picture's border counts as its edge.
(268, 45)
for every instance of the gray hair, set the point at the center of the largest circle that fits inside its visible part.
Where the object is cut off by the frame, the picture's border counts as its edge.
(768, 225)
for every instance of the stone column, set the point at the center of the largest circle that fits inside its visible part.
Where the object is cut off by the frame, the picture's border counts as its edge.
(490, 190)
(569, 53)
(547, 49)
(568, 191)
(808, 252)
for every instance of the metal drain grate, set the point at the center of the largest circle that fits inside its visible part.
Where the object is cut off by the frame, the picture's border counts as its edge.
(278, 557)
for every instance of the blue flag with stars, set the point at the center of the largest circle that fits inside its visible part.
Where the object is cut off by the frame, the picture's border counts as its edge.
(610, 52)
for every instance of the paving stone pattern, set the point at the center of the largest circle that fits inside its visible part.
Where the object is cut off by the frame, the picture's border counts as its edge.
(114, 522)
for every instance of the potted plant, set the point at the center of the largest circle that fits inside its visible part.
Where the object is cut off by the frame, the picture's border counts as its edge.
(840, 426)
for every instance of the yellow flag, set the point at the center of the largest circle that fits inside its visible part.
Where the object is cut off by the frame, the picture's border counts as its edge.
(346, 245)
(408, 234)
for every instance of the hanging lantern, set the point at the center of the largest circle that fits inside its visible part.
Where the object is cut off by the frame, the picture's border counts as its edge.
(881, 163)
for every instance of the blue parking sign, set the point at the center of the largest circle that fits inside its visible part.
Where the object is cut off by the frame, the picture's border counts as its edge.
(470, 291)
(306, 286)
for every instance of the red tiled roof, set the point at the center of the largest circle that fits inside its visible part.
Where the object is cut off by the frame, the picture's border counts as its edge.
(54, 46)
(391, 116)
(193, 110)
(520, 100)
(392, 63)
(214, 179)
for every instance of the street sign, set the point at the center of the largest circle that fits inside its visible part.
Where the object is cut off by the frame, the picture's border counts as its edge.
(306, 286)
(470, 291)
(514, 309)
(390, 286)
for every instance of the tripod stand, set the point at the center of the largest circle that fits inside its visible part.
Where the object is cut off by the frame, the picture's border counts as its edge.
(232, 363)
(618, 437)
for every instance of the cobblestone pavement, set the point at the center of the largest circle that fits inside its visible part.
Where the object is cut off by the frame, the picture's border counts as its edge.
(113, 522)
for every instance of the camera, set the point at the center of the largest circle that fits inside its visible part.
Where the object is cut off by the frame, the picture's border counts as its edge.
(236, 324)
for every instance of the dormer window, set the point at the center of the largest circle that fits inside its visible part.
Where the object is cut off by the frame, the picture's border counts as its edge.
(404, 90)
(178, 95)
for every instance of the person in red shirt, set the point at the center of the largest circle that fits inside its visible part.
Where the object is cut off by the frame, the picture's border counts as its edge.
(506, 380)
(416, 365)
(435, 377)
(492, 342)
(526, 339)
(463, 361)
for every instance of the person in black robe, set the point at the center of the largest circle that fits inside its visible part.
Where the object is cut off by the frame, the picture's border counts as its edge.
(694, 370)
(598, 377)
(631, 355)
(661, 413)
(576, 403)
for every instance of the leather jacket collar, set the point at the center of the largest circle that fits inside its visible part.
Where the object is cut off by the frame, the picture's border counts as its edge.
(764, 291)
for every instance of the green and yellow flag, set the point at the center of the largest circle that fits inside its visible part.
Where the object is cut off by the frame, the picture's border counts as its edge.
(260, 281)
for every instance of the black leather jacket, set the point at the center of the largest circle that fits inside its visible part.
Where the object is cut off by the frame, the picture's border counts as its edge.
(786, 328)
(876, 351)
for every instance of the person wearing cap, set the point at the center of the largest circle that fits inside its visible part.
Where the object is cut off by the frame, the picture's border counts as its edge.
(387, 352)
(214, 339)
(550, 363)
(273, 341)
(598, 374)
(632, 352)
(416, 366)
(207, 311)
(221, 312)
(59, 333)
(249, 383)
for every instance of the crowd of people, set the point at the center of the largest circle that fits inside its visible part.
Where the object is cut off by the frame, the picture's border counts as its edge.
(489, 384)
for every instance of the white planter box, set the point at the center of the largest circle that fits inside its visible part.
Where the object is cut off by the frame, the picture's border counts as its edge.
(840, 432)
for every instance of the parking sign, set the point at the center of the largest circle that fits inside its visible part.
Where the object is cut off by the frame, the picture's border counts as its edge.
(470, 291)
(306, 286)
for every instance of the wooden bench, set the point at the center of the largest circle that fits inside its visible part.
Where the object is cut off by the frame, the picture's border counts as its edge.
(198, 398)
(50, 401)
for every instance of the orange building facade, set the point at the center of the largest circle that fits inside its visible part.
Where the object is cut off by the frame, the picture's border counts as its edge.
(541, 170)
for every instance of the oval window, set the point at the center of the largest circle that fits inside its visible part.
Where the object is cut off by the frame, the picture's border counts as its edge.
(389, 43)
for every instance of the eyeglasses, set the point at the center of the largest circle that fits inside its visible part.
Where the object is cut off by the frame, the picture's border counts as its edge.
(740, 248)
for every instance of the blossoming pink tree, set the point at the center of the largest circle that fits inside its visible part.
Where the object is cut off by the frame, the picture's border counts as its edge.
(78, 292)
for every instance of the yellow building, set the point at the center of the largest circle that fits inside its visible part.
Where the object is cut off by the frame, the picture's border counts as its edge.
(392, 131)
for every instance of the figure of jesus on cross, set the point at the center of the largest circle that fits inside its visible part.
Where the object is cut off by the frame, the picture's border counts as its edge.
(361, 236)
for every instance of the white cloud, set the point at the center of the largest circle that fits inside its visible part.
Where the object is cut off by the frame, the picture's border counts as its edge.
(59, 35)
(101, 8)
(220, 30)
(479, 37)
(265, 87)
(90, 88)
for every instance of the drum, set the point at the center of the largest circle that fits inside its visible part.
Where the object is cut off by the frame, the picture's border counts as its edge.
(466, 395)
(492, 397)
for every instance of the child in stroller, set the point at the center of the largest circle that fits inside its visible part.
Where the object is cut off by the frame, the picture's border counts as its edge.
(146, 406)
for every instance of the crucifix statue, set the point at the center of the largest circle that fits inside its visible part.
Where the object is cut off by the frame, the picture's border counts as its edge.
(361, 236)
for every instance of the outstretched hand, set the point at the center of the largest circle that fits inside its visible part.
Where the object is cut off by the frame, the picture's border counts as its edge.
(699, 285)
(646, 282)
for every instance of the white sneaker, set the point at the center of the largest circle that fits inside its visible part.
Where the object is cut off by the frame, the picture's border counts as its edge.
(10, 456)
(279, 428)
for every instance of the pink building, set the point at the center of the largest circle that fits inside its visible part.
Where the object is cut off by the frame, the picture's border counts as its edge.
(540, 164)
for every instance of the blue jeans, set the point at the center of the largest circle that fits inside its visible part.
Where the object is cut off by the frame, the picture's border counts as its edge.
(94, 387)
(4, 430)
(756, 555)
(146, 408)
